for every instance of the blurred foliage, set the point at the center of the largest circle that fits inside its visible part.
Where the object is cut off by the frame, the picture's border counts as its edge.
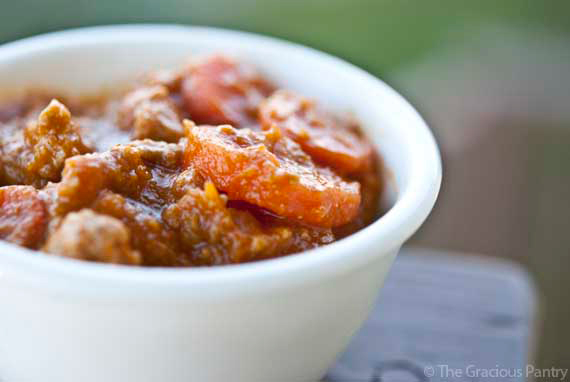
(378, 35)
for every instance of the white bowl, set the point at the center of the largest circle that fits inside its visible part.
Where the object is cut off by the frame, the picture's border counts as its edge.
(281, 320)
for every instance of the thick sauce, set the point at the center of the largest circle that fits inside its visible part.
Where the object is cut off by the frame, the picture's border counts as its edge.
(206, 165)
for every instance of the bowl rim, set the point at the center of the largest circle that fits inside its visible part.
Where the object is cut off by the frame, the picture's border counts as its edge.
(390, 231)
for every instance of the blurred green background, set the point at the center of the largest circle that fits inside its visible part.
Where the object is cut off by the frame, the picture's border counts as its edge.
(491, 77)
(378, 35)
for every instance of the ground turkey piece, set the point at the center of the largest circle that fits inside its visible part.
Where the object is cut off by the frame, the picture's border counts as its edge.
(157, 243)
(150, 113)
(141, 170)
(23, 216)
(132, 182)
(219, 90)
(330, 141)
(216, 234)
(53, 139)
(199, 229)
(37, 154)
(85, 235)
(271, 171)
(169, 78)
(15, 155)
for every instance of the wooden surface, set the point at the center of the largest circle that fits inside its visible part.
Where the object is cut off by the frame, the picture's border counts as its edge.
(445, 317)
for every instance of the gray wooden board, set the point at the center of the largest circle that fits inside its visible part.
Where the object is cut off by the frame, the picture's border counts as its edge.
(443, 317)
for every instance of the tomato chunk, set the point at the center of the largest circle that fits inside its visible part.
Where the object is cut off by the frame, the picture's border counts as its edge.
(329, 141)
(150, 113)
(86, 235)
(271, 171)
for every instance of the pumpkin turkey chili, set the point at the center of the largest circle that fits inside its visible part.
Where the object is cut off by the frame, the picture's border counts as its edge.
(210, 164)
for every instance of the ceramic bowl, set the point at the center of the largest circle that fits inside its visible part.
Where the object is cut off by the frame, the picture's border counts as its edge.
(280, 320)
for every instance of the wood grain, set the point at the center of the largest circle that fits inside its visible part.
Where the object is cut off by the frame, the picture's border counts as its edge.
(444, 310)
